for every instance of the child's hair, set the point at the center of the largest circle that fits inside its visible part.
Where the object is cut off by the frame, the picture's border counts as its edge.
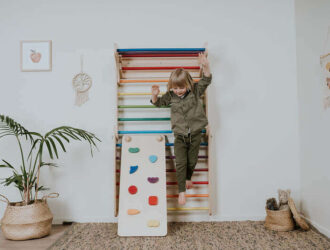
(180, 78)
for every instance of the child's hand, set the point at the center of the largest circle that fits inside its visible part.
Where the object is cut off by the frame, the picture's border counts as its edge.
(205, 64)
(155, 90)
(203, 59)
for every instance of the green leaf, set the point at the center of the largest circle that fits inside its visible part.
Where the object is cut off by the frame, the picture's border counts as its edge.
(54, 146)
(60, 142)
(49, 149)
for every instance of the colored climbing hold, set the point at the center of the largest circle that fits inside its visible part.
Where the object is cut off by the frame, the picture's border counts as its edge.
(133, 150)
(153, 179)
(153, 158)
(133, 169)
(132, 189)
(153, 223)
(133, 211)
(153, 200)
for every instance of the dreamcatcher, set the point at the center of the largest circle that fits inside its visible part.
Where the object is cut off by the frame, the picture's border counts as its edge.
(81, 83)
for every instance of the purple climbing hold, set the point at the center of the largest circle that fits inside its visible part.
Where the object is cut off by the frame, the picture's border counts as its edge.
(133, 169)
(153, 179)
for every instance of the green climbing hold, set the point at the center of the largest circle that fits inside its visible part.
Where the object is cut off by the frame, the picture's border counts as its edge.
(133, 150)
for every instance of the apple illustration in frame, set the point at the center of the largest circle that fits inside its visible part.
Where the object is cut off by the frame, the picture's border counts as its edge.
(35, 56)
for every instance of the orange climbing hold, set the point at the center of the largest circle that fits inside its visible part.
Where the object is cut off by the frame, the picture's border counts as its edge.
(153, 200)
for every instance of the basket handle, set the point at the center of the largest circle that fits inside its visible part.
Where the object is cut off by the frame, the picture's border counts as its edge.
(5, 198)
(51, 195)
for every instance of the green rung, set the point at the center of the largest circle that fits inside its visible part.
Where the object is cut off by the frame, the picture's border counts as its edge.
(140, 106)
(144, 119)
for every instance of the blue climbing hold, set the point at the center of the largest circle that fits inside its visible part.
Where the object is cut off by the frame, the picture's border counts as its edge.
(133, 169)
(153, 158)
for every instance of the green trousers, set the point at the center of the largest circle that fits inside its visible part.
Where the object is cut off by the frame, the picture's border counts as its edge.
(186, 150)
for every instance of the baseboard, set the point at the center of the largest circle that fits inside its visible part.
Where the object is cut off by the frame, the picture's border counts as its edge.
(320, 228)
(175, 217)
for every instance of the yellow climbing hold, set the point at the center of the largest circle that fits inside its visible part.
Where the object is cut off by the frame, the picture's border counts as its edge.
(153, 223)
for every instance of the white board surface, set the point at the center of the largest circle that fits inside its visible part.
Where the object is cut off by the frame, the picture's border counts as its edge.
(137, 225)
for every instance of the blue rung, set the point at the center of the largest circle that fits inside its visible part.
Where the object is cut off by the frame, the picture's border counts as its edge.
(166, 144)
(145, 132)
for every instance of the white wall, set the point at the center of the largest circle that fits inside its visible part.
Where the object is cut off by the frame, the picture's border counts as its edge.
(312, 22)
(253, 97)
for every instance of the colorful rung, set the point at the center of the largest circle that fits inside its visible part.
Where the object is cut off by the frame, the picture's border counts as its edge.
(168, 144)
(148, 80)
(160, 55)
(144, 93)
(145, 132)
(187, 195)
(194, 182)
(161, 50)
(140, 106)
(196, 170)
(173, 157)
(171, 170)
(186, 208)
(161, 68)
(144, 119)
(122, 132)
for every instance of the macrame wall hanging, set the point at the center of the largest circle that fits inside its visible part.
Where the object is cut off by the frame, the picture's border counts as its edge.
(81, 84)
(325, 65)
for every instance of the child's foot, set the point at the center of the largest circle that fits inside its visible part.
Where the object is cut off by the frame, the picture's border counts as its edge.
(182, 198)
(189, 184)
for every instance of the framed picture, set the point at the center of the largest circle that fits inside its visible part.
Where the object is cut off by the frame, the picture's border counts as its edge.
(36, 55)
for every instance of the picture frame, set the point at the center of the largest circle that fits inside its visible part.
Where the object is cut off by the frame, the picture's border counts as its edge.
(36, 56)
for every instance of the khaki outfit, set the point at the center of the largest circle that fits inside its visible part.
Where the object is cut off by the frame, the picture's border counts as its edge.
(188, 119)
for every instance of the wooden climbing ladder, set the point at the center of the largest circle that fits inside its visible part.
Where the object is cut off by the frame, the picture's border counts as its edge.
(137, 70)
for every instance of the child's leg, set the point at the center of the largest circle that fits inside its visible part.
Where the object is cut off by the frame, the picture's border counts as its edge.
(193, 151)
(180, 151)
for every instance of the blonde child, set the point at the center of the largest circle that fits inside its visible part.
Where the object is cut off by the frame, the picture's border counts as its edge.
(188, 119)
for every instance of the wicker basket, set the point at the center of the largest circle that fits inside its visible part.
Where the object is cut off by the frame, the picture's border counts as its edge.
(27, 222)
(279, 220)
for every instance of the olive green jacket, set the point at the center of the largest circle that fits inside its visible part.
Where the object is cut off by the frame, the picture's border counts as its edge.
(187, 114)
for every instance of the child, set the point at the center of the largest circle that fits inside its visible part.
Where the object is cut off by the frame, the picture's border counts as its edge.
(188, 119)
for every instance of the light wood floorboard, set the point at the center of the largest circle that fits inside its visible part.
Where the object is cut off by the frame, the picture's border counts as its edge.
(36, 244)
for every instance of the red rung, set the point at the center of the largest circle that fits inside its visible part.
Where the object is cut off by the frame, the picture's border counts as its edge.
(174, 183)
(173, 170)
(194, 182)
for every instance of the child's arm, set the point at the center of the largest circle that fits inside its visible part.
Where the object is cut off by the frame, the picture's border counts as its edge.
(164, 100)
(207, 76)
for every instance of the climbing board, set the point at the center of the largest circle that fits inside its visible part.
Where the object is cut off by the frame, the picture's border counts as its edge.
(142, 204)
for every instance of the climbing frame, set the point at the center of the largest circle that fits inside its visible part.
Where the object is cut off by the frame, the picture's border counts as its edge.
(137, 70)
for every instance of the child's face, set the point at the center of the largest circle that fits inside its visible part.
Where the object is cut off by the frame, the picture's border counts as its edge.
(179, 91)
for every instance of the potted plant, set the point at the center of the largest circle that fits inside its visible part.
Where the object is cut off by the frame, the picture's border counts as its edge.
(31, 218)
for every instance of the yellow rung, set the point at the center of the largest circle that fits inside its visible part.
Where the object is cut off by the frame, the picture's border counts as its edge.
(121, 94)
(186, 208)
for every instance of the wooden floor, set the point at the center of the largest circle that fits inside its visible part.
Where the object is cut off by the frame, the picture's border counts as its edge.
(36, 244)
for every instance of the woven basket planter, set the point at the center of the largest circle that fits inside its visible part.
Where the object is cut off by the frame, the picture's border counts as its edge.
(279, 220)
(27, 222)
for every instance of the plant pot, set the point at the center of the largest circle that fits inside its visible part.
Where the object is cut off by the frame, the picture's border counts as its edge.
(279, 220)
(27, 222)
